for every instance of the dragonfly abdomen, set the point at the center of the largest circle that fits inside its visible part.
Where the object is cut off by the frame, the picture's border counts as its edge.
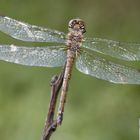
(67, 75)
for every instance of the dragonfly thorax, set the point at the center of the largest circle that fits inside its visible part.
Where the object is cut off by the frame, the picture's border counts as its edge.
(74, 40)
(77, 25)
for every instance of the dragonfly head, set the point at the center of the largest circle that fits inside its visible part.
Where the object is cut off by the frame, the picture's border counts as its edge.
(77, 25)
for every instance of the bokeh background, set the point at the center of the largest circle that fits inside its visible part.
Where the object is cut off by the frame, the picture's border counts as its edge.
(95, 109)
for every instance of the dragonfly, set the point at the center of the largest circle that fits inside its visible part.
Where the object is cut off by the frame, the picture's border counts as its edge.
(72, 48)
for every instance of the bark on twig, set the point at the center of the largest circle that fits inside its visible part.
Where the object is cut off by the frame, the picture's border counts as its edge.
(50, 123)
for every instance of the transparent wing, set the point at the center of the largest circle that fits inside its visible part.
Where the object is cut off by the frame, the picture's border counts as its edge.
(125, 51)
(51, 56)
(106, 70)
(27, 32)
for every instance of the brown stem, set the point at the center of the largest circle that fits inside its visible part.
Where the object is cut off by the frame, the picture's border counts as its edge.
(50, 123)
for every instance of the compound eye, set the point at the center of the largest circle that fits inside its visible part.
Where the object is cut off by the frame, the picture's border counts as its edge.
(72, 23)
(77, 24)
(82, 27)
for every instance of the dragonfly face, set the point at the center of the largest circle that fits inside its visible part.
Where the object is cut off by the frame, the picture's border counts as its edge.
(87, 62)
(77, 25)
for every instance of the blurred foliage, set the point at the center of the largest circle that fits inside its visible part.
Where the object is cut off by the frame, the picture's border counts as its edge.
(95, 109)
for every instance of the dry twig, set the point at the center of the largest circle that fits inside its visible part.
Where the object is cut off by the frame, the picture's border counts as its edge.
(50, 123)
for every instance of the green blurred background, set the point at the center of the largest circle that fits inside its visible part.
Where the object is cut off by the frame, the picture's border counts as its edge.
(95, 109)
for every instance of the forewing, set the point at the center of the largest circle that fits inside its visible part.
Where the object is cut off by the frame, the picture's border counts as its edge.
(106, 70)
(27, 32)
(51, 56)
(120, 50)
